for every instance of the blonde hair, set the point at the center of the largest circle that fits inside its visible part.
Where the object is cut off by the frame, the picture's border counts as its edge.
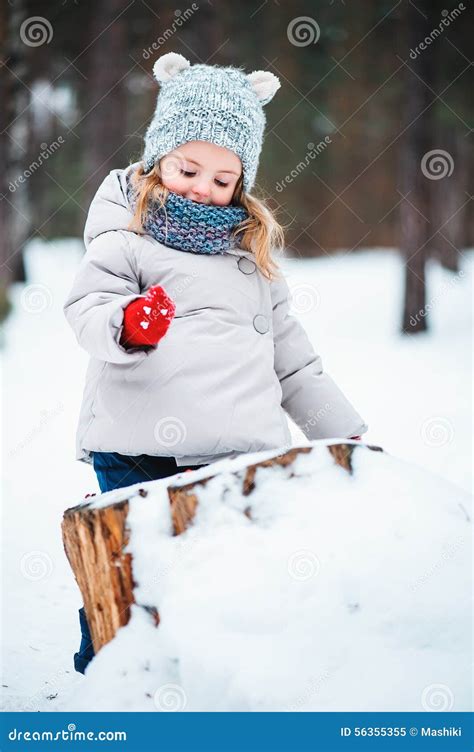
(261, 233)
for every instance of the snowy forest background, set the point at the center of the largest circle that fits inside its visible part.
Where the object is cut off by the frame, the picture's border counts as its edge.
(367, 160)
(76, 85)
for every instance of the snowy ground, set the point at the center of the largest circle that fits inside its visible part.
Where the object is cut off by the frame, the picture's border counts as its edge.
(413, 393)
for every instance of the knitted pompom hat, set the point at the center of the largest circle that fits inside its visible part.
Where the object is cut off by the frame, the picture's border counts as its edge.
(221, 105)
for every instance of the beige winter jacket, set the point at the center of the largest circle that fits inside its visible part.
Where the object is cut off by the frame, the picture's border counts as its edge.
(232, 362)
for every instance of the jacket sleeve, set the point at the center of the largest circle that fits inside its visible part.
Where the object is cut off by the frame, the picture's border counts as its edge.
(309, 395)
(106, 282)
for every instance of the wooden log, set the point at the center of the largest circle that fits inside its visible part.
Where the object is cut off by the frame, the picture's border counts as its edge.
(94, 540)
(96, 535)
(184, 500)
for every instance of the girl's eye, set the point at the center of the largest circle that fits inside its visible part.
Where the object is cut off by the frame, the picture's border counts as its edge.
(222, 185)
(187, 173)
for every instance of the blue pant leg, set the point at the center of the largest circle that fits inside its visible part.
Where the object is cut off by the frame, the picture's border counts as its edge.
(86, 650)
(116, 470)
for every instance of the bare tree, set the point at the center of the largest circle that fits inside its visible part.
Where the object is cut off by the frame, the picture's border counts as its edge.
(13, 140)
(5, 206)
(414, 184)
(448, 197)
(107, 63)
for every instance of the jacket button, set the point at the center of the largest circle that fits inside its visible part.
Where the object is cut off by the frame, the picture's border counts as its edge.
(246, 265)
(260, 323)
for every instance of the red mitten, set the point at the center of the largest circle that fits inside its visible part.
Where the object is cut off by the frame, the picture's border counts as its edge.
(146, 319)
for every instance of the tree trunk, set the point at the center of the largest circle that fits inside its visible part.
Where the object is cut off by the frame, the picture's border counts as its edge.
(415, 185)
(96, 536)
(105, 116)
(15, 212)
(448, 196)
(6, 247)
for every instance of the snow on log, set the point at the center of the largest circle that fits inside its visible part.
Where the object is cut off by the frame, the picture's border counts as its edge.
(332, 577)
(96, 536)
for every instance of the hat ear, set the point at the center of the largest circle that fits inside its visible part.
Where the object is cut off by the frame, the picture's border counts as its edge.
(168, 66)
(265, 85)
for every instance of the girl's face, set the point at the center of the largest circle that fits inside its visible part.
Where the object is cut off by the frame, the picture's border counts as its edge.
(202, 172)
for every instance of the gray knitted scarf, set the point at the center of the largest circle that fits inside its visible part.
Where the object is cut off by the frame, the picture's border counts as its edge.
(189, 226)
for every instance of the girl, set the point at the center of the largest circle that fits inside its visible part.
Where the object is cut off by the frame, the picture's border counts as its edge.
(194, 353)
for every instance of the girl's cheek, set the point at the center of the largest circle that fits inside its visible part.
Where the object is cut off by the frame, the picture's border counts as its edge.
(223, 198)
(175, 185)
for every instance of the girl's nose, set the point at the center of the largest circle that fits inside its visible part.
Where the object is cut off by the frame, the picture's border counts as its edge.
(202, 189)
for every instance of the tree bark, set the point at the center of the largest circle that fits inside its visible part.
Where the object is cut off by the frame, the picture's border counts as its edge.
(415, 186)
(447, 197)
(105, 118)
(15, 212)
(5, 206)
